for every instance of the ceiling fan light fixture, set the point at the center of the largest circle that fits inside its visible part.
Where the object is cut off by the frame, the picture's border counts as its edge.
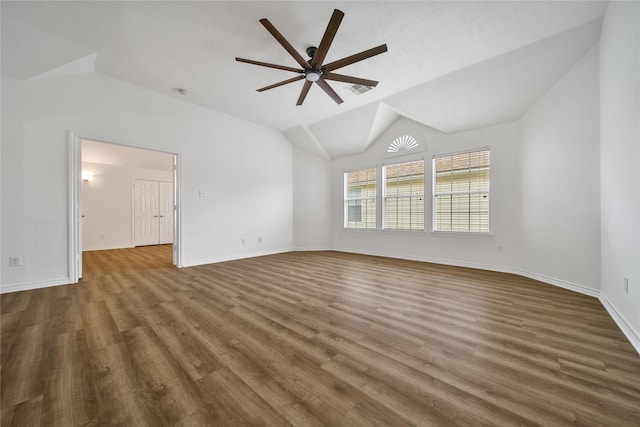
(312, 76)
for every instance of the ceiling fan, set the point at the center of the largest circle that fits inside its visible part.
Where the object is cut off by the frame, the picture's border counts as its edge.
(314, 70)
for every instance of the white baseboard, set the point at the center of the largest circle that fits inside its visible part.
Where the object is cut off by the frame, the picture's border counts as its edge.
(214, 260)
(560, 283)
(632, 335)
(442, 261)
(4, 289)
(311, 248)
(490, 267)
(105, 248)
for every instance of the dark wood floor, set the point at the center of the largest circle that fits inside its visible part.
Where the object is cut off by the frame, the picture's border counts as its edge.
(310, 339)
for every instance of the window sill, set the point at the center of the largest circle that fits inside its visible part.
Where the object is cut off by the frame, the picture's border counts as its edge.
(465, 234)
(401, 231)
(386, 230)
(358, 229)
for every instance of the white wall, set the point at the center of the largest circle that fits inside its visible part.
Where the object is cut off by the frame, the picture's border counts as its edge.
(107, 204)
(244, 168)
(559, 169)
(311, 201)
(481, 252)
(545, 204)
(619, 164)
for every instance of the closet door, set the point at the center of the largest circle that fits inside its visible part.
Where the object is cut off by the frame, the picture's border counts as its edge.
(145, 213)
(152, 212)
(165, 212)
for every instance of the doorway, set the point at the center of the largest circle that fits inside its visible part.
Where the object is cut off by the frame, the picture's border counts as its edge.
(107, 218)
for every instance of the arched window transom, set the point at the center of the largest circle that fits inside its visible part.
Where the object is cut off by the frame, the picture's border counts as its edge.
(403, 143)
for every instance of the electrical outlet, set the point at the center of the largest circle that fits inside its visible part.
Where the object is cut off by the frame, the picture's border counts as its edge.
(499, 249)
(15, 261)
(259, 239)
(244, 241)
(626, 285)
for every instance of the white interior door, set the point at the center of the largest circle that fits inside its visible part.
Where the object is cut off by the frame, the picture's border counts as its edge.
(153, 212)
(145, 213)
(165, 212)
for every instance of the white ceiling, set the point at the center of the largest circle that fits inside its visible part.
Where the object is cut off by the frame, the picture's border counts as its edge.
(450, 65)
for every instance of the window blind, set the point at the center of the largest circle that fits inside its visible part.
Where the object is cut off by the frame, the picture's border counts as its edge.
(360, 199)
(404, 196)
(461, 192)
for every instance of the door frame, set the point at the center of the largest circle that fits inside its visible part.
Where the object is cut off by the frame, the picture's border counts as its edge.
(75, 208)
(75, 204)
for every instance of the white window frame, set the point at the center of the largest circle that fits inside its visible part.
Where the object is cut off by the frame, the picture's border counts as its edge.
(435, 194)
(348, 199)
(385, 196)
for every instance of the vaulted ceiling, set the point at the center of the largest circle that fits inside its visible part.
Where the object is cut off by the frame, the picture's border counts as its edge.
(453, 66)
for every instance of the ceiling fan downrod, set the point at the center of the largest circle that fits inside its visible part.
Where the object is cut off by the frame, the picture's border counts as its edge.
(313, 74)
(311, 51)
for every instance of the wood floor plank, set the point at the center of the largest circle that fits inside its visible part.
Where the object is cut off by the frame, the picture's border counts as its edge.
(70, 398)
(184, 348)
(15, 302)
(233, 402)
(10, 323)
(99, 326)
(309, 338)
(116, 381)
(23, 370)
(450, 404)
(26, 414)
(125, 313)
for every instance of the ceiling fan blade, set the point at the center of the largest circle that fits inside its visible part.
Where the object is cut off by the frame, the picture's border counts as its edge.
(303, 93)
(327, 38)
(332, 93)
(282, 83)
(266, 64)
(285, 44)
(349, 79)
(354, 58)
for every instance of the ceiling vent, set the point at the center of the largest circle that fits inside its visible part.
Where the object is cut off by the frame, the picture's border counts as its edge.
(359, 89)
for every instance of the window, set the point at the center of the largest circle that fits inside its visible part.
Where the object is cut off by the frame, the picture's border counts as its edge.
(461, 192)
(404, 196)
(360, 199)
